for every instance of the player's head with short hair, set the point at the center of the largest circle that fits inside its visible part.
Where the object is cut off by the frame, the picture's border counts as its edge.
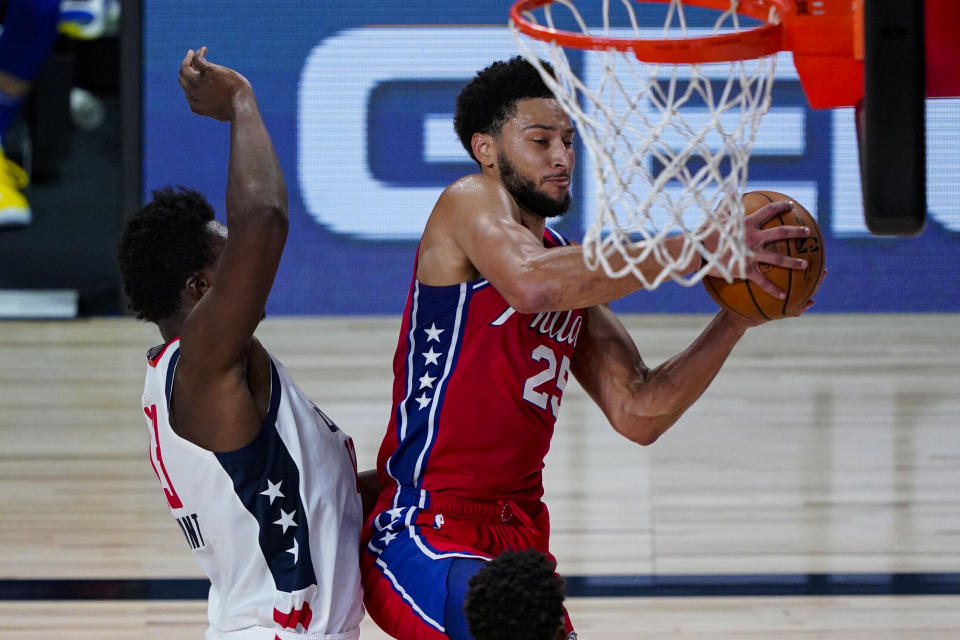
(161, 246)
(491, 98)
(516, 596)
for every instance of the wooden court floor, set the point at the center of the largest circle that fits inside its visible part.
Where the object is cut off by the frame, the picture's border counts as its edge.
(828, 446)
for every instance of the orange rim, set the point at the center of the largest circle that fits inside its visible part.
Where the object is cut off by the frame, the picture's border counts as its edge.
(763, 40)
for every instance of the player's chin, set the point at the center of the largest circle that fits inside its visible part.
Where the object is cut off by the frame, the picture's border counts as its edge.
(556, 190)
(557, 193)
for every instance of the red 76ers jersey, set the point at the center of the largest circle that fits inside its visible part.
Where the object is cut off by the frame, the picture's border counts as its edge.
(477, 388)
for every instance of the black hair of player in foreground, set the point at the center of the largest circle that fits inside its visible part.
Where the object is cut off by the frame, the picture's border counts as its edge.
(516, 596)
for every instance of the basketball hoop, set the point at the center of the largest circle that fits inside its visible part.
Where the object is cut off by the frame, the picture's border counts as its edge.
(668, 114)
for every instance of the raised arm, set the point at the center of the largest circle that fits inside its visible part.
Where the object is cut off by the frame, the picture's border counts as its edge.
(477, 226)
(222, 323)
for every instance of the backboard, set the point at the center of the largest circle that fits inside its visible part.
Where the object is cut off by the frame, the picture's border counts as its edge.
(911, 53)
(885, 58)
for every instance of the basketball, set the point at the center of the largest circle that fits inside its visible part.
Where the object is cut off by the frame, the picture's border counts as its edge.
(745, 298)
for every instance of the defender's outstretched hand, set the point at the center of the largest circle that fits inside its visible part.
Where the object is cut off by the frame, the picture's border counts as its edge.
(210, 89)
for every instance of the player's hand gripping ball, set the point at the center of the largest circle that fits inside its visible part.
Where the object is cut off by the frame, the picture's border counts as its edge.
(748, 300)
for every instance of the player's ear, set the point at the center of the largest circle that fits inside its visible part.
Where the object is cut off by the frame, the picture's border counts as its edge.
(197, 284)
(484, 149)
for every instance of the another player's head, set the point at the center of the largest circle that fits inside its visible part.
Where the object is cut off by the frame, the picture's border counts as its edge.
(516, 596)
(170, 244)
(510, 123)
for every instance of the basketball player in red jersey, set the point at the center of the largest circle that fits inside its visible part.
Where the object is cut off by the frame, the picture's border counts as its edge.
(501, 311)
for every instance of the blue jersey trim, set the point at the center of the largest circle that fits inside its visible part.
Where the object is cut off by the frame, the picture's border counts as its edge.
(267, 481)
(559, 239)
(171, 368)
(450, 365)
(438, 318)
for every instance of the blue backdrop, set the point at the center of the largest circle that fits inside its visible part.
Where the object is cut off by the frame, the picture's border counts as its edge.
(358, 97)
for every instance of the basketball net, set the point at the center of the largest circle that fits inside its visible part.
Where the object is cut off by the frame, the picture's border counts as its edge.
(669, 142)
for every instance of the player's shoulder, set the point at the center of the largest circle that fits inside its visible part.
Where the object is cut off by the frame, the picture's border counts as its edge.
(475, 186)
(474, 182)
(474, 195)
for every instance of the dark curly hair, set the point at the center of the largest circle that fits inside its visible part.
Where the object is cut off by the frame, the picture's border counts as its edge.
(516, 596)
(160, 246)
(488, 101)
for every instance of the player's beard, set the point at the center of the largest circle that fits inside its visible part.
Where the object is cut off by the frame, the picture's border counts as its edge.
(526, 193)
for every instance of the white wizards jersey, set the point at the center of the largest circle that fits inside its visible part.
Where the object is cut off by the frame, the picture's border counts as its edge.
(274, 525)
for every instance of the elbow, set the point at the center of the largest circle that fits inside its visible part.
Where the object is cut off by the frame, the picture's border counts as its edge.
(533, 297)
(268, 223)
(262, 201)
(272, 217)
(276, 215)
(647, 439)
(649, 415)
(646, 428)
(644, 435)
(272, 221)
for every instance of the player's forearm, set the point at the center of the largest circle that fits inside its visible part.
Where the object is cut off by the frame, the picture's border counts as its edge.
(256, 188)
(560, 279)
(671, 388)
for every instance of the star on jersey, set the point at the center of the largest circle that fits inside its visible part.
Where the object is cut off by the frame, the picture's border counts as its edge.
(295, 551)
(395, 513)
(273, 490)
(286, 520)
(423, 400)
(389, 525)
(431, 356)
(433, 333)
(388, 537)
(426, 380)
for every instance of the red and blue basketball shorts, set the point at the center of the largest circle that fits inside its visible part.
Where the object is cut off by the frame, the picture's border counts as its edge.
(416, 563)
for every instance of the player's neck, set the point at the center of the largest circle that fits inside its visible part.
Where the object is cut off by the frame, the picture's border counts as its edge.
(532, 221)
(171, 327)
(169, 330)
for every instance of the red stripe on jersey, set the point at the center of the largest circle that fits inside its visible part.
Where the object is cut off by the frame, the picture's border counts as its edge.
(301, 616)
(152, 361)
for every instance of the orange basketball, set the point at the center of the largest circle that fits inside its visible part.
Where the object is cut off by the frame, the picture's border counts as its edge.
(746, 298)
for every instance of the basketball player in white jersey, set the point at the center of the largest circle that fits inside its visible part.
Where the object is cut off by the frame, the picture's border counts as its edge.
(262, 484)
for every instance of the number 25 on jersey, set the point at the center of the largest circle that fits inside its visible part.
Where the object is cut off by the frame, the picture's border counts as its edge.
(536, 389)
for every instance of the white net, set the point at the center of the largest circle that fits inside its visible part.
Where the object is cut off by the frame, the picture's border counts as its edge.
(669, 143)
